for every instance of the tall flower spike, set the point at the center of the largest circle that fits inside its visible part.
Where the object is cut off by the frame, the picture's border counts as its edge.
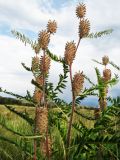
(35, 64)
(39, 80)
(70, 50)
(105, 60)
(44, 68)
(84, 28)
(37, 96)
(52, 26)
(107, 74)
(81, 10)
(42, 119)
(77, 83)
(43, 40)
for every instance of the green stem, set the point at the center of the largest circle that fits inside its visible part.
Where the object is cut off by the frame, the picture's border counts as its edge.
(73, 108)
(71, 117)
(78, 44)
(44, 100)
(47, 145)
(45, 105)
(35, 142)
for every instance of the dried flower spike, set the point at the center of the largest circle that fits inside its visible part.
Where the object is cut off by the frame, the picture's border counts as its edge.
(77, 83)
(70, 50)
(107, 74)
(52, 26)
(44, 68)
(35, 64)
(42, 119)
(84, 28)
(81, 10)
(105, 60)
(37, 96)
(39, 80)
(43, 40)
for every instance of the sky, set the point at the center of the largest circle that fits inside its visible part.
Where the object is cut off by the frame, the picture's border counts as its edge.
(31, 16)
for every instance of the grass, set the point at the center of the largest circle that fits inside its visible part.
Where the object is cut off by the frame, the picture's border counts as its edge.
(15, 120)
(19, 125)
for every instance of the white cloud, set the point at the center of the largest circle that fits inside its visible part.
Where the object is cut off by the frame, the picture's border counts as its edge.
(23, 14)
(103, 13)
(12, 75)
(33, 14)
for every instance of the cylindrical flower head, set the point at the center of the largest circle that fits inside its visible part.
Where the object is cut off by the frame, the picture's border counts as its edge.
(70, 50)
(42, 119)
(35, 64)
(44, 68)
(77, 83)
(39, 80)
(37, 96)
(105, 60)
(43, 40)
(107, 74)
(52, 26)
(84, 28)
(81, 10)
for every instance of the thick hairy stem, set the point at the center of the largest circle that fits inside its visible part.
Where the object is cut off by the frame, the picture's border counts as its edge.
(47, 145)
(35, 143)
(35, 130)
(35, 149)
(45, 105)
(73, 108)
(70, 123)
(71, 117)
(44, 100)
(105, 97)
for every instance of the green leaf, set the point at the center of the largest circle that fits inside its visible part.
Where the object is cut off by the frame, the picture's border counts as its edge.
(97, 61)
(27, 68)
(114, 65)
(54, 57)
(88, 79)
(100, 34)
(20, 114)
(23, 38)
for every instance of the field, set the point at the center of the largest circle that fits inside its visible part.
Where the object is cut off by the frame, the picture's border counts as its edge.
(14, 119)
(10, 122)
(17, 134)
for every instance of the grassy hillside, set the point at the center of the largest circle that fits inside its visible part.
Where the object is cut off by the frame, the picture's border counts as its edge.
(13, 118)
(16, 134)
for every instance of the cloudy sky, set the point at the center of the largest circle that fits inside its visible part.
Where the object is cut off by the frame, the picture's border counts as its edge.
(31, 16)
